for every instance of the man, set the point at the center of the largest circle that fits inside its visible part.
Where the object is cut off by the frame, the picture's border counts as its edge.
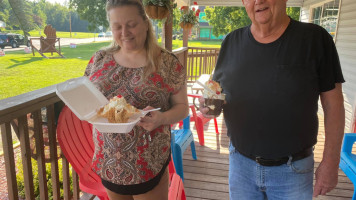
(273, 73)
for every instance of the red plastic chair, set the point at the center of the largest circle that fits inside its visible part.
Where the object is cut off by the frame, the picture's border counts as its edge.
(200, 120)
(176, 188)
(76, 142)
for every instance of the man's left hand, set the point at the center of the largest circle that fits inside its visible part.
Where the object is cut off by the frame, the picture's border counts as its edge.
(325, 179)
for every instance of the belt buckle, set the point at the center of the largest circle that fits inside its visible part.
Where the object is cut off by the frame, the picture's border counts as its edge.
(258, 159)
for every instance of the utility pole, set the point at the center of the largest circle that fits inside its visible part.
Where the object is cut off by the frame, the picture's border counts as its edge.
(70, 23)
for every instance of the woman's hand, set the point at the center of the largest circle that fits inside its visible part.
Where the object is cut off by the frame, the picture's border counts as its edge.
(152, 120)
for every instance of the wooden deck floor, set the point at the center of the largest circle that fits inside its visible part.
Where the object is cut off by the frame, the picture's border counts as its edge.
(207, 177)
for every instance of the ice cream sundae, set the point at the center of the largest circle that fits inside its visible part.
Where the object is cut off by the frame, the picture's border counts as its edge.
(214, 98)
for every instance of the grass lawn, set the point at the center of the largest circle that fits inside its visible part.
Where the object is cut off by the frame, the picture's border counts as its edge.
(21, 73)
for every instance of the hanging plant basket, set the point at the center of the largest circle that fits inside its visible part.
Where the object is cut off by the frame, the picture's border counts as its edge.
(156, 12)
(186, 25)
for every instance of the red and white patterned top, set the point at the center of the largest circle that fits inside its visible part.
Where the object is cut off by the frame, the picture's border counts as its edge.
(135, 157)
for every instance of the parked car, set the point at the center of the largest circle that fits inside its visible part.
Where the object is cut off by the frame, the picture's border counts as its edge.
(108, 34)
(102, 34)
(13, 40)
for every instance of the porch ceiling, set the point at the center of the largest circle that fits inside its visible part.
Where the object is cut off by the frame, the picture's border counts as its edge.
(292, 3)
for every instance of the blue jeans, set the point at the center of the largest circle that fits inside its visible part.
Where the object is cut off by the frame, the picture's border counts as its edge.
(249, 180)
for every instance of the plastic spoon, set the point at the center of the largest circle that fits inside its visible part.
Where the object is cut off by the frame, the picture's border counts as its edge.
(144, 112)
(206, 87)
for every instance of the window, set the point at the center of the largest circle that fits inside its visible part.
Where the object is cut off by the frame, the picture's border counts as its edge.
(325, 15)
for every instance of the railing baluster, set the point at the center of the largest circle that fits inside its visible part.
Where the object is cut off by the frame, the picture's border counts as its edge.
(66, 183)
(191, 65)
(6, 136)
(53, 151)
(26, 157)
(76, 189)
(41, 162)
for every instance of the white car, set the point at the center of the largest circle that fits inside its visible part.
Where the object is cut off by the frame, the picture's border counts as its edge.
(108, 34)
(102, 34)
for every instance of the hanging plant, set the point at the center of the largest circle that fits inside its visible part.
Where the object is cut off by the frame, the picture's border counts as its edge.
(189, 17)
(159, 9)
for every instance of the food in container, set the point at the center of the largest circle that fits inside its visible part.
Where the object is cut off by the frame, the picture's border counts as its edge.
(85, 100)
(213, 96)
(118, 110)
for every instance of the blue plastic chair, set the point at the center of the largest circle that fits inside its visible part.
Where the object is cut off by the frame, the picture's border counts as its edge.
(181, 138)
(348, 160)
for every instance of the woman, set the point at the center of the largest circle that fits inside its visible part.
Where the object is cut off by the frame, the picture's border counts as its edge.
(134, 165)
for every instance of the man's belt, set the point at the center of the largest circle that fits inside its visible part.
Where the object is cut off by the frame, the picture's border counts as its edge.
(280, 161)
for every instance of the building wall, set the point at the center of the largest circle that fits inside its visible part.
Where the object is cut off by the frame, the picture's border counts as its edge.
(345, 42)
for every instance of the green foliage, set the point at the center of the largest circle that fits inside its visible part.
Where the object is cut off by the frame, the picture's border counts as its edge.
(38, 13)
(189, 15)
(226, 19)
(21, 182)
(293, 12)
(21, 15)
(93, 11)
(176, 19)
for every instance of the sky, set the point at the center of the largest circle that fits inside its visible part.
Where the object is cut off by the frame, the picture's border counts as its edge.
(55, 1)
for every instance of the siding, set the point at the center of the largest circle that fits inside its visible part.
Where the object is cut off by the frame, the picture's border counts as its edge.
(346, 46)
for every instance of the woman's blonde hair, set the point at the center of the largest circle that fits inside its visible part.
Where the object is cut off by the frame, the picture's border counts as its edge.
(152, 48)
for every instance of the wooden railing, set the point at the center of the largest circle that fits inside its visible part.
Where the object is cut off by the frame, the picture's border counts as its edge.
(25, 115)
(200, 61)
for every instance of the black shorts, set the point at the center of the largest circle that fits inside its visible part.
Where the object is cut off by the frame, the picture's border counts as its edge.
(136, 189)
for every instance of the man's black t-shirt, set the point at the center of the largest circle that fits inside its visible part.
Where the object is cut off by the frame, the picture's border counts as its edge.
(272, 89)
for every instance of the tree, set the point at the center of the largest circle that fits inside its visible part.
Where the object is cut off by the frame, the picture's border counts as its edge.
(4, 11)
(22, 13)
(226, 19)
(91, 10)
(38, 14)
(176, 16)
(293, 12)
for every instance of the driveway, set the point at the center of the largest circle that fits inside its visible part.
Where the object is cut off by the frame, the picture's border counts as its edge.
(66, 42)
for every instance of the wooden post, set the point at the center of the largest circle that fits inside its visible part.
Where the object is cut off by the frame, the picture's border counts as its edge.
(185, 36)
(168, 29)
(185, 30)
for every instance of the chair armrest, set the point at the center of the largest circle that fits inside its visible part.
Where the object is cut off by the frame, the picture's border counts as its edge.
(194, 95)
(90, 186)
(176, 188)
(349, 140)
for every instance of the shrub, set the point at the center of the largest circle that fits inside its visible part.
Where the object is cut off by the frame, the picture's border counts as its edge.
(21, 183)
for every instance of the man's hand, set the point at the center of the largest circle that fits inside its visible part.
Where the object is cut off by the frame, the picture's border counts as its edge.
(204, 109)
(326, 178)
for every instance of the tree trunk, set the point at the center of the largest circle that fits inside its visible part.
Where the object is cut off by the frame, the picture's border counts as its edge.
(18, 7)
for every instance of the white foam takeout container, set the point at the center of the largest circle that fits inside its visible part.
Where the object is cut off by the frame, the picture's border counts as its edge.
(84, 99)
